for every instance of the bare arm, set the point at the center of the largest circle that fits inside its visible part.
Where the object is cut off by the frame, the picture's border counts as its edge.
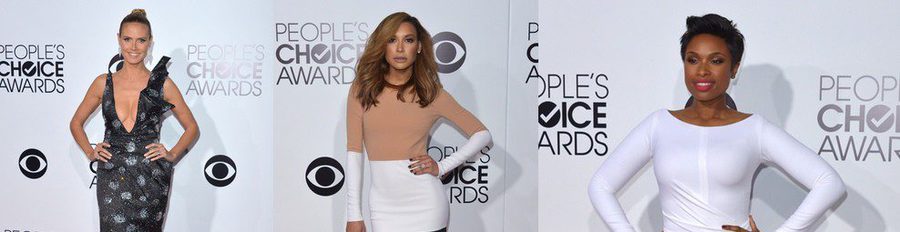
(185, 117)
(88, 105)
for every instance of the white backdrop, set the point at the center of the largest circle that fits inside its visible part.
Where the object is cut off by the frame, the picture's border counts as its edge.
(613, 62)
(310, 113)
(234, 110)
(790, 45)
(231, 123)
(522, 162)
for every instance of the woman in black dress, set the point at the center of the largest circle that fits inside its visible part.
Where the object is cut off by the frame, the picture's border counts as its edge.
(136, 171)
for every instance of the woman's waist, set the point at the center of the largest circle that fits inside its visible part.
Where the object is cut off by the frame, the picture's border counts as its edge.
(395, 150)
(396, 173)
(691, 225)
(130, 143)
(394, 154)
(124, 137)
(701, 215)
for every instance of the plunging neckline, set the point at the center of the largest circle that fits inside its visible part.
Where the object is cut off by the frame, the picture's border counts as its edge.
(136, 112)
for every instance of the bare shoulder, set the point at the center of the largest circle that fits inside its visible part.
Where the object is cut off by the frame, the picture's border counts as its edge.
(168, 81)
(169, 84)
(170, 89)
(98, 83)
(677, 113)
(739, 116)
(100, 78)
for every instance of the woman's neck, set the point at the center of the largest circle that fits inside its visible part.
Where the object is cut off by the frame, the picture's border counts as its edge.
(134, 70)
(398, 77)
(711, 109)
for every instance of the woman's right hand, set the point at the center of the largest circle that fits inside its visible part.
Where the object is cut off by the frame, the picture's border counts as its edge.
(739, 229)
(356, 226)
(100, 152)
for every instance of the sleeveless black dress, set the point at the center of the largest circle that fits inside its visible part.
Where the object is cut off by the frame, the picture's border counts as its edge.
(133, 193)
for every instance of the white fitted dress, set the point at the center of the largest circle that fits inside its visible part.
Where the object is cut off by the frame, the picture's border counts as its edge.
(705, 174)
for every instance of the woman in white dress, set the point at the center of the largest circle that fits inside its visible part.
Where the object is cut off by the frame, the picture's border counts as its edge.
(705, 155)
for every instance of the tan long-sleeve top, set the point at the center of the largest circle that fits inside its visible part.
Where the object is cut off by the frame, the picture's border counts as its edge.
(397, 130)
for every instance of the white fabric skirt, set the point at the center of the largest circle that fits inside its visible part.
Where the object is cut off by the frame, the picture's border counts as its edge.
(400, 201)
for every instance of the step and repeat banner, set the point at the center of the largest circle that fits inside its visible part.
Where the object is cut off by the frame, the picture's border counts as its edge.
(316, 48)
(522, 87)
(826, 71)
(267, 82)
(222, 62)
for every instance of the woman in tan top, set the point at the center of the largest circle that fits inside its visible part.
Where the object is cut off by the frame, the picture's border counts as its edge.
(393, 103)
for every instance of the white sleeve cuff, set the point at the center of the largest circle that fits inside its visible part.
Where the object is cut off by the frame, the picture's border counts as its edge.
(354, 186)
(472, 148)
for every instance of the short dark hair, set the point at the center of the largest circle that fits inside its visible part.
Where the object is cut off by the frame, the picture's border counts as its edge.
(137, 16)
(718, 26)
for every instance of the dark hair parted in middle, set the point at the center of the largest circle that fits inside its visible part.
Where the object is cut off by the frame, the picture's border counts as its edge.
(718, 26)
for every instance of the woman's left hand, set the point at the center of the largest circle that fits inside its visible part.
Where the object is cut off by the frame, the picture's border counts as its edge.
(157, 151)
(739, 229)
(423, 164)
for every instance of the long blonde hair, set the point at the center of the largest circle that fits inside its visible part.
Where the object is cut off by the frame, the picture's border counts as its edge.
(372, 66)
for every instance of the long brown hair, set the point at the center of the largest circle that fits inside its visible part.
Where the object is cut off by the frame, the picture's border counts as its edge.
(372, 66)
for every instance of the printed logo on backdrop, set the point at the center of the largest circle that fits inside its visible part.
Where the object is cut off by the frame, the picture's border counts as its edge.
(32, 68)
(573, 107)
(325, 176)
(33, 163)
(531, 53)
(92, 166)
(220, 170)
(449, 51)
(225, 70)
(468, 182)
(572, 114)
(859, 117)
(319, 53)
(18, 230)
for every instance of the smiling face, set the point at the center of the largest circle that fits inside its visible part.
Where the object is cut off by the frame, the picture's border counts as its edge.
(708, 67)
(134, 42)
(402, 47)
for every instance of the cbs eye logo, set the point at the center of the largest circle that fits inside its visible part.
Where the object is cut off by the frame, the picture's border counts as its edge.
(220, 170)
(325, 176)
(449, 51)
(33, 163)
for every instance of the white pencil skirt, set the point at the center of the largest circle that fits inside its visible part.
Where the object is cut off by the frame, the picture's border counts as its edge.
(401, 201)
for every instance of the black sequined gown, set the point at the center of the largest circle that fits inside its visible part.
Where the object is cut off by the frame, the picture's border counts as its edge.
(133, 193)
